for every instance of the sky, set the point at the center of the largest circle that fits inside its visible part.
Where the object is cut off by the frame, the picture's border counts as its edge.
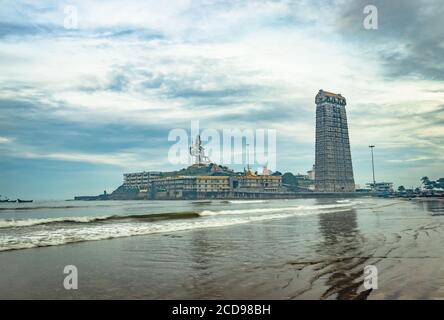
(81, 105)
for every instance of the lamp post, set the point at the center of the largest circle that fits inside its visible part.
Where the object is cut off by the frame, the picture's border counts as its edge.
(373, 167)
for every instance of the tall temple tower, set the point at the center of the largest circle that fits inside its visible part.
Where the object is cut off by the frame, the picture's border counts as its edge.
(334, 171)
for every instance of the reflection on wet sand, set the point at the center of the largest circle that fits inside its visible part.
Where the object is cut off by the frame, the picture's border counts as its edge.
(202, 254)
(309, 254)
(344, 259)
(339, 261)
(436, 208)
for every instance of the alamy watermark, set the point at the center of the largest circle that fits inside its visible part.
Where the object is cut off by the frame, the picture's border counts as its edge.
(71, 281)
(370, 277)
(371, 19)
(71, 20)
(227, 146)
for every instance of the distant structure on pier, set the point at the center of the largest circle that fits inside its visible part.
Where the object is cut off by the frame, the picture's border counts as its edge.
(334, 171)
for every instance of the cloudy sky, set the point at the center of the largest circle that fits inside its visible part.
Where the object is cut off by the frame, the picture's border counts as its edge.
(79, 107)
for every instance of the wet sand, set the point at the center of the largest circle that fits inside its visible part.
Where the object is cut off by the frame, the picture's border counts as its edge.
(316, 256)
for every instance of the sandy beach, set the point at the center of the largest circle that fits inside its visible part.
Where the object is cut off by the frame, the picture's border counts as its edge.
(295, 249)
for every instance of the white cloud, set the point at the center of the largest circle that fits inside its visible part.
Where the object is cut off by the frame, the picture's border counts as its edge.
(408, 160)
(213, 61)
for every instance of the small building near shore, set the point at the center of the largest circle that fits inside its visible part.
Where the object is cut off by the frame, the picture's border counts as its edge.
(140, 180)
(381, 186)
(213, 187)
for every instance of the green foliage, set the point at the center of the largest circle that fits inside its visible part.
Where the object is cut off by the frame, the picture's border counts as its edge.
(211, 170)
(296, 182)
(289, 178)
(430, 184)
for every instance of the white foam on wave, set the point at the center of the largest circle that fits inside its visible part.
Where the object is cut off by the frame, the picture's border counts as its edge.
(247, 201)
(243, 211)
(275, 209)
(117, 230)
(11, 223)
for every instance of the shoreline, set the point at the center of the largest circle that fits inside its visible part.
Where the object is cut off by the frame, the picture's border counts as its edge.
(301, 255)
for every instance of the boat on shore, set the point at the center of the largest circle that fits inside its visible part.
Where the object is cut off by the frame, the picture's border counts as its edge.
(23, 201)
(6, 200)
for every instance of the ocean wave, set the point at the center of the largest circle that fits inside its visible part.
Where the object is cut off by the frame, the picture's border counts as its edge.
(118, 230)
(275, 209)
(16, 223)
(246, 201)
(11, 223)
(202, 202)
(83, 205)
(244, 211)
(40, 207)
(46, 207)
